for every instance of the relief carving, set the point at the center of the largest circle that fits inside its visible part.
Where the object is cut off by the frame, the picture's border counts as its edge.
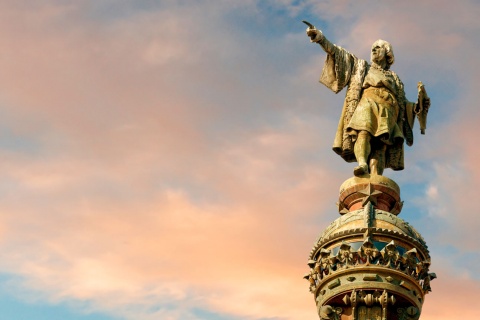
(389, 257)
(345, 256)
(328, 312)
(368, 252)
(410, 313)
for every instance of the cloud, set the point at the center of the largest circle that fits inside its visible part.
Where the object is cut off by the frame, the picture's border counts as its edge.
(449, 288)
(171, 251)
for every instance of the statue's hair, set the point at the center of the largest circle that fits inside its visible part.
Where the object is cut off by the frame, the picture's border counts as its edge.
(388, 51)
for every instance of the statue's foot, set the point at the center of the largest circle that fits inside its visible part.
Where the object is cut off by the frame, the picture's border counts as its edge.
(360, 170)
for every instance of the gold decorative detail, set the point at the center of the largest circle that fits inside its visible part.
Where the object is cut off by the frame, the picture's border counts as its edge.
(370, 277)
(370, 194)
(334, 284)
(405, 285)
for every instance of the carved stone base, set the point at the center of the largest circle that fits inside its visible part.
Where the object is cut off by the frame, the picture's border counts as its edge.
(381, 191)
(369, 264)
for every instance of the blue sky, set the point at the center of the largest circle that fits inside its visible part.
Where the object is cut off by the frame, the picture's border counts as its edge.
(172, 159)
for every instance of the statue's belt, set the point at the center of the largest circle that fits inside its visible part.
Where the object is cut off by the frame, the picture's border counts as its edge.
(380, 92)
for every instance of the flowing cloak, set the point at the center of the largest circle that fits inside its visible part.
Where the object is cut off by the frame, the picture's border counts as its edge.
(343, 69)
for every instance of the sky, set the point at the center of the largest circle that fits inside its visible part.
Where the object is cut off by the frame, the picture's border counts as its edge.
(172, 159)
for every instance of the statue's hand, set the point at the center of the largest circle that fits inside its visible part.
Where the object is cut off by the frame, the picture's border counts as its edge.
(314, 34)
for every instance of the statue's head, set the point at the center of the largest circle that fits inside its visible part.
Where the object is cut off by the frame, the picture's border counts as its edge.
(387, 52)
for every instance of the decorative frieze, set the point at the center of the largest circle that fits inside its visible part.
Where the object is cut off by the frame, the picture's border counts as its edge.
(389, 257)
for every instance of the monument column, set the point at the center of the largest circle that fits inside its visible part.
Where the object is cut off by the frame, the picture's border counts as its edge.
(369, 264)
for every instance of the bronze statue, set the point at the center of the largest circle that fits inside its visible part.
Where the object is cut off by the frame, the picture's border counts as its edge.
(376, 116)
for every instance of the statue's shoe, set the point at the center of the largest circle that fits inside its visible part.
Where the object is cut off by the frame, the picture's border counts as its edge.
(360, 170)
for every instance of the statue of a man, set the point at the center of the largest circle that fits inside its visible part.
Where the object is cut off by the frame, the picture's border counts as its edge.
(376, 117)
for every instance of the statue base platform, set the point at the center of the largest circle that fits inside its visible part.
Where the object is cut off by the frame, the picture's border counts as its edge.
(382, 192)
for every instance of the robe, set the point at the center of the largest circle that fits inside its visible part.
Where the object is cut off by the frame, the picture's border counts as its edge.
(342, 69)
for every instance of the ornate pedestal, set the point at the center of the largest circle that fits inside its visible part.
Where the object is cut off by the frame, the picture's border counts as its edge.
(369, 264)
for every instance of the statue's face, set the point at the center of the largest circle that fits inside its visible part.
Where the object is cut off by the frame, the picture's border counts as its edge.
(378, 53)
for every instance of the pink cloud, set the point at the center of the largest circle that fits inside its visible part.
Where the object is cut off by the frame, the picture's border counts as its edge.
(172, 247)
(449, 290)
(94, 228)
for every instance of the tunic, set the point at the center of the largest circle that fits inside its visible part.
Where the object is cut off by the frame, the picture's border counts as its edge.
(377, 111)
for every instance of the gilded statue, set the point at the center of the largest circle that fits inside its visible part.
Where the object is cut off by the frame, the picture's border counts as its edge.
(376, 117)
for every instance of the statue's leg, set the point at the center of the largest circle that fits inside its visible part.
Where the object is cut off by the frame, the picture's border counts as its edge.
(377, 160)
(362, 151)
